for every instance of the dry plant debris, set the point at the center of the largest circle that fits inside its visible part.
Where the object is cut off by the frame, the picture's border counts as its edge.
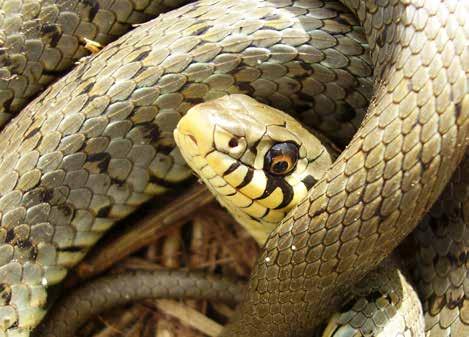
(200, 236)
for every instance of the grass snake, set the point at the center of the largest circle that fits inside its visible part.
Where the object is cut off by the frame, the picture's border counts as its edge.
(98, 143)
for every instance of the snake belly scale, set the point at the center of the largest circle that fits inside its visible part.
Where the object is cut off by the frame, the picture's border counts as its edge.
(99, 142)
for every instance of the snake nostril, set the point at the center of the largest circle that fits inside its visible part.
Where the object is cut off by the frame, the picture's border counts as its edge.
(233, 142)
(193, 139)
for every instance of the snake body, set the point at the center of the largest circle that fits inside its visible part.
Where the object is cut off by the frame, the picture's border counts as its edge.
(410, 142)
(233, 144)
(241, 149)
(99, 142)
(40, 40)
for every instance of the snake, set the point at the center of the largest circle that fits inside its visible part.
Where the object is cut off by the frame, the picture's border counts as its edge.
(216, 139)
(236, 146)
(98, 143)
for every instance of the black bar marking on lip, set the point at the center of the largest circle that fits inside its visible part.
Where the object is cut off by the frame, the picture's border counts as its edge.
(274, 182)
(232, 168)
(247, 178)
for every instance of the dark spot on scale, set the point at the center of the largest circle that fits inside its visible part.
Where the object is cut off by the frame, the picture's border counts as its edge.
(451, 258)
(118, 182)
(318, 212)
(374, 296)
(94, 10)
(458, 260)
(457, 109)
(163, 183)
(102, 158)
(195, 100)
(245, 87)
(7, 103)
(305, 97)
(141, 56)
(202, 30)
(65, 209)
(94, 7)
(87, 88)
(33, 253)
(140, 71)
(254, 146)
(164, 149)
(55, 73)
(307, 67)
(381, 38)
(342, 21)
(5, 292)
(70, 249)
(104, 211)
(454, 303)
(46, 195)
(150, 131)
(410, 85)
(271, 17)
(25, 244)
(53, 32)
(32, 133)
(424, 165)
(463, 257)
(10, 235)
(48, 28)
(308, 181)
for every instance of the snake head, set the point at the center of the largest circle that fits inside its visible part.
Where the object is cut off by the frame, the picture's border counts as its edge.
(258, 161)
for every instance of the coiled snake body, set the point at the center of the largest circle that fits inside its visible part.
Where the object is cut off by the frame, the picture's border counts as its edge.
(98, 143)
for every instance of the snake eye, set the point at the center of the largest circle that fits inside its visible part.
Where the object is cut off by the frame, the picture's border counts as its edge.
(281, 158)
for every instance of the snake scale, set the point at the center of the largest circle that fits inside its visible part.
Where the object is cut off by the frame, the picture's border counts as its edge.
(98, 143)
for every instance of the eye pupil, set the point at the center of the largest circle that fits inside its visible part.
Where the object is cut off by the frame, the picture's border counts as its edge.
(233, 142)
(280, 167)
(281, 158)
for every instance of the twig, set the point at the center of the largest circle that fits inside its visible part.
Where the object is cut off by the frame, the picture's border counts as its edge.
(145, 231)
